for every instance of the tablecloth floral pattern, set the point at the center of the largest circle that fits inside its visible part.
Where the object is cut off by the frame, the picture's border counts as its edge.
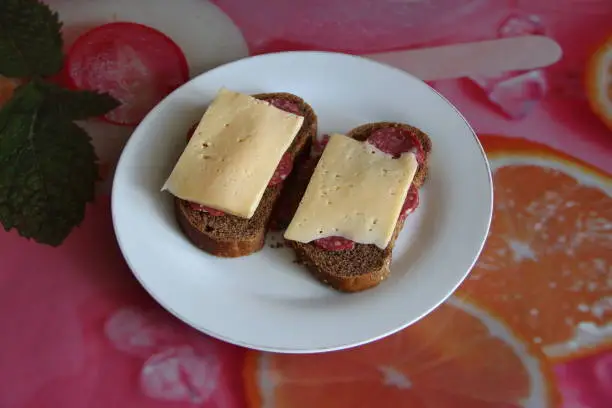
(530, 327)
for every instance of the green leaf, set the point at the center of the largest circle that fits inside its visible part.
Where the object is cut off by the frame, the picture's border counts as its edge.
(26, 98)
(30, 39)
(76, 105)
(47, 169)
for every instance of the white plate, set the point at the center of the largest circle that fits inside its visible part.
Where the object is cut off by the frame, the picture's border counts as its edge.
(265, 301)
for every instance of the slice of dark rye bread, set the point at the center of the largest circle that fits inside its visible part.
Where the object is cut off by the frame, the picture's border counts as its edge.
(364, 266)
(230, 236)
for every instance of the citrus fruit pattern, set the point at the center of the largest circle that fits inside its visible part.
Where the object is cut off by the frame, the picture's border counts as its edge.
(136, 64)
(458, 356)
(598, 82)
(546, 268)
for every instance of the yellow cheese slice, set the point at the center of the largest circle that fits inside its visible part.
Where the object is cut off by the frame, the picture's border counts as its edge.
(233, 154)
(356, 192)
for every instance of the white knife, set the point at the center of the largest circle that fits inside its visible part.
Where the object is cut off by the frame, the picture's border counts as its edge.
(475, 58)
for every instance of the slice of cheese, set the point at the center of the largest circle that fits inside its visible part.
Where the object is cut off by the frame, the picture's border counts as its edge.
(233, 154)
(356, 192)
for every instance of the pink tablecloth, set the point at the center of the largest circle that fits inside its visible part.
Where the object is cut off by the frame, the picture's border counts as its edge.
(532, 326)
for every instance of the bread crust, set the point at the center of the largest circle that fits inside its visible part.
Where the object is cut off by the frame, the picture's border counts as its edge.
(248, 236)
(368, 265)
(353, 283)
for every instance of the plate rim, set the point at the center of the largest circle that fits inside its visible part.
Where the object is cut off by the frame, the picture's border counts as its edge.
(321, 349)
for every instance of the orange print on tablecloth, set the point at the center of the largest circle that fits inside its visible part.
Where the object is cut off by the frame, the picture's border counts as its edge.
(458, 356)
(546, 268)
(7, 87)
(598, 80)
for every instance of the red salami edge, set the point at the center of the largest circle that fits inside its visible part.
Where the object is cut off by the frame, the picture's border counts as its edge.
(335, 244)
(203, 208)
(319, 145)
(286, 105)
(395, 141)
(411, 202)
(282, 170)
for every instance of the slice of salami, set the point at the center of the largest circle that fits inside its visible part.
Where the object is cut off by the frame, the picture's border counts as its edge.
(319, 145)
(395, 141)
(335, 244)
(286, 105)
(136, 64)
(203, 208)
(411, 202)
(282, 170)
